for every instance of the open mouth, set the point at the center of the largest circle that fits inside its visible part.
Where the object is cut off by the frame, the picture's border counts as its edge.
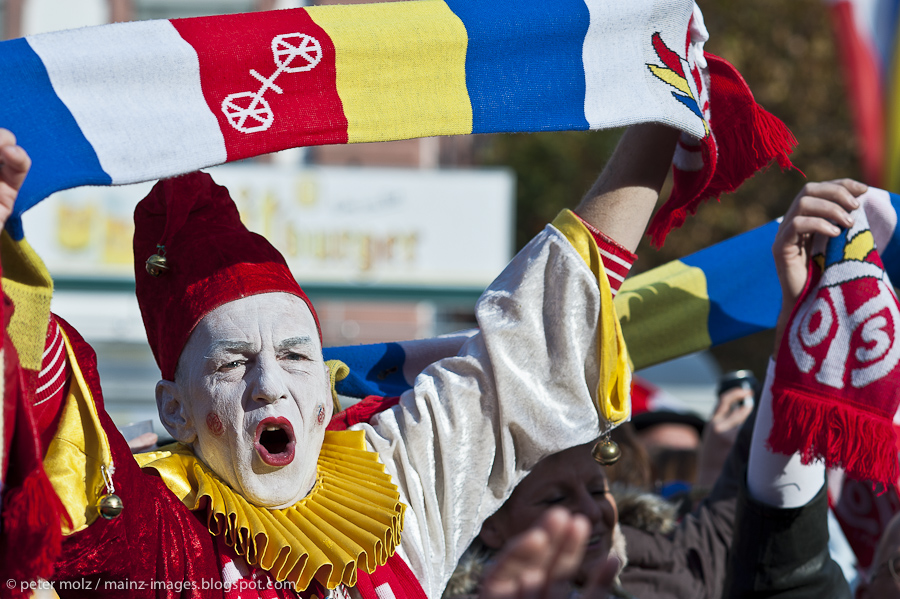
(275, 441)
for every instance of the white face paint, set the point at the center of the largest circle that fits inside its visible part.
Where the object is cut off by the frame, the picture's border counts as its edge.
(256, 394)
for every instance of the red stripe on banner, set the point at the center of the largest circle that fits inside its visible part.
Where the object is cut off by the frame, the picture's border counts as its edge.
(270, 79)
(669, 58)
(862, 77)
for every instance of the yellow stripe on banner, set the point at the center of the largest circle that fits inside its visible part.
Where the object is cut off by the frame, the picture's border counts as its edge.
(671, 77)
(664, 313)
(860, 246)
(892, 160)
(401, 68)
(614, 387)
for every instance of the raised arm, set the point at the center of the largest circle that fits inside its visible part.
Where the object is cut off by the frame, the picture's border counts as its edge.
(14, 164)
(621, 201)
(781, 531)
(546, 370)
(775, 479)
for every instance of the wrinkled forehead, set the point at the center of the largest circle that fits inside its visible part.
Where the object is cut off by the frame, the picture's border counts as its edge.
(259, 313)
(254, 323)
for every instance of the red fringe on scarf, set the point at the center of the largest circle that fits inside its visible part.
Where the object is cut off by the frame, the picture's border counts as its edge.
(833, 430)
(747, 138)
(32, 513)
(31, 531)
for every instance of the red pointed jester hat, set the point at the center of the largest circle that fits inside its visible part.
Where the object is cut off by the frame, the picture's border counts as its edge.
(209, 258)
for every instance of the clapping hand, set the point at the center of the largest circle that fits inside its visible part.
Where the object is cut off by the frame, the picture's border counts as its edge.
(541, 562)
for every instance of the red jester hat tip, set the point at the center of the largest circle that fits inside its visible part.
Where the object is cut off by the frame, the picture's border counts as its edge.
(210, 259)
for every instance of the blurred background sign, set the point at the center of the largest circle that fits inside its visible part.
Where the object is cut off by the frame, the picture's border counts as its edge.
(334, 225)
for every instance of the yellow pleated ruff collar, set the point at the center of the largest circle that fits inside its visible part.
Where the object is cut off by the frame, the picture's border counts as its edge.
(351, 519)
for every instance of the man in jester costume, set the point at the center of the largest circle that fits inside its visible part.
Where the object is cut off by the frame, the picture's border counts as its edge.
(257, 498)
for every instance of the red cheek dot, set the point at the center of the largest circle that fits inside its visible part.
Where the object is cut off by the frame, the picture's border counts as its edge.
(320, 418)
(214, 424)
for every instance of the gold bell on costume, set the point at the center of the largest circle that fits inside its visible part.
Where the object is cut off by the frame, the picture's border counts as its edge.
(157, 263)
(110, 506)
(606, 452)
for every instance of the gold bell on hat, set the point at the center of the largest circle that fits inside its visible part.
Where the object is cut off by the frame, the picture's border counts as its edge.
(606, 452)
(157, 263)
(110, 506)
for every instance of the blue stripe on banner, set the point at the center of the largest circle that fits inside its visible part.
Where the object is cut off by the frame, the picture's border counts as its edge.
(375, 369)
(60, 154)
(690, 103)
(733, 312)
(530, 77)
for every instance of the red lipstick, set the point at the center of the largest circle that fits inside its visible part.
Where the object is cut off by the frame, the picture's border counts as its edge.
(275, 441)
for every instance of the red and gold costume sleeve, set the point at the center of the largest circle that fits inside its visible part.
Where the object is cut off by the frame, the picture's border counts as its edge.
(54, 372)
(32, 516)
(57, 437)
(52, 384)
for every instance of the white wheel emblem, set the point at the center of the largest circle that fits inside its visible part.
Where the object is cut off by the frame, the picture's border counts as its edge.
(248, 112)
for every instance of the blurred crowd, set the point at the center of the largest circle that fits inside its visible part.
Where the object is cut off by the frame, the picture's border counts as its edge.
(662, 512)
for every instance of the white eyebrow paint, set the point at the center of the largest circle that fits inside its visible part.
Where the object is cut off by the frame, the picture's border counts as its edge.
(227, 345)
(294, 342)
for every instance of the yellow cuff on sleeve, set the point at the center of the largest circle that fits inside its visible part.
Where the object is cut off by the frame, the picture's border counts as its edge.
(614, 389)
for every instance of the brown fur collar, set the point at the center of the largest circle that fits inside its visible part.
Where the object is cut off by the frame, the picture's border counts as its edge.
(645, 511)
